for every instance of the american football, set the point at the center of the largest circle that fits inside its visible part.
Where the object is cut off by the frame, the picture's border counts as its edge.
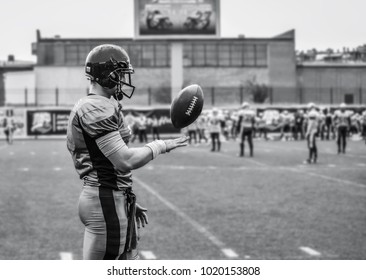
(187, 106)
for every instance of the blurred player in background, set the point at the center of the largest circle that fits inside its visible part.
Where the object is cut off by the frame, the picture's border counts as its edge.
(9, 128)
(311, 133)
(155, 124)
(363, 125)
(261, 126)
(329, 124)
(214, 126)
(192, 132)
(142, 126)
(322, 126)
(246, 126)
(285, 119)
(299, 121)
(97, 138)
(342, 122)
(201, 128)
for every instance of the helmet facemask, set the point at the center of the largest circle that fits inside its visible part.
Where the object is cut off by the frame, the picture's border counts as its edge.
(121, 77)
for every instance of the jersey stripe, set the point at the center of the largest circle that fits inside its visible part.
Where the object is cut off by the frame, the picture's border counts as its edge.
(104, 168)
(112, 223)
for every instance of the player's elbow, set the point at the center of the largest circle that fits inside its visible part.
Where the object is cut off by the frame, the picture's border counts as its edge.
(124, 166)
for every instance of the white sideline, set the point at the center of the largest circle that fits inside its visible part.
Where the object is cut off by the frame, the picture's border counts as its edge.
(217, 242)
(148, 255)
(310, 251)
(229, 253)
(66, 256)
(302, 171)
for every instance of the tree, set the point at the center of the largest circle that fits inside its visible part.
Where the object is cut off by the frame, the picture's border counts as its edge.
(258, 92)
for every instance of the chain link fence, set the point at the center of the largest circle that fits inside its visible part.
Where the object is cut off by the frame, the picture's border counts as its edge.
(214, 96)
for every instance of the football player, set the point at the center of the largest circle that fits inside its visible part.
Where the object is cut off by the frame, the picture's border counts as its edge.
(299, 120)
(363, 125)
(342, 122)
(214, 126)
(285, 119)
(245, 127)
(311, 132)
(97, 138)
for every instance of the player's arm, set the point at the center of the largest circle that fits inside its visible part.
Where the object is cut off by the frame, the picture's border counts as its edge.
(125, 159)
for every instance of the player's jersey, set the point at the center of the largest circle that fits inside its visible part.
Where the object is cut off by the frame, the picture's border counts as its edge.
(363, 118)
(214, 123)
(312, 122)
(92, 117)
(201, 122)
(321, 119)
(192, 126)
(286, 118)
(247, 119)
(341, 119)
(261, 122)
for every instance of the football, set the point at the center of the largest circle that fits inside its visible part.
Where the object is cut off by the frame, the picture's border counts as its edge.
(186, 106)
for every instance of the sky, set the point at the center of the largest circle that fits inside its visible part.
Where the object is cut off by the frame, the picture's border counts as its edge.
(319, 24)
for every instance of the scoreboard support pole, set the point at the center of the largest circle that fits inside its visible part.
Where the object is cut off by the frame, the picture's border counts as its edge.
(176, 68)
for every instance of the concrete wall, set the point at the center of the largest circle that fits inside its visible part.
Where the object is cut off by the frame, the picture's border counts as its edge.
(65, 85)
(19, 87)
(282, 71)
(331, 84)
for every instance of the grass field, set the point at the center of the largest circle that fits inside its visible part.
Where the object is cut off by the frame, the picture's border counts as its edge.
(202, 205)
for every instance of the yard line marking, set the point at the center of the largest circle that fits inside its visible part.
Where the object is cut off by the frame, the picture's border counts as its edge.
(57, 168)
(229, 253)
(11, 153)
(32, 153)
(148, 255)
(310, 251)
(244, 158)
(304, 171)
(214, 240)
(54, 153)
(361, 164)
(25, 169)
(65, 256)
(326, 151)
(328, 178)
(331, 165)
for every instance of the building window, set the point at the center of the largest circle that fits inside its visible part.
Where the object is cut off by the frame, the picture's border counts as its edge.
(236, 57)
(211, 55)
(83, 51)
(71, 55)
(135, 52)
(162, 56)
(198, 53)
(249, 55)
(261, 55)
(187, 55)
(224, 55)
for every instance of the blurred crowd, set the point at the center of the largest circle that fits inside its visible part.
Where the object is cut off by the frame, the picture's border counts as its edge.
(275, 124)
(268, 124)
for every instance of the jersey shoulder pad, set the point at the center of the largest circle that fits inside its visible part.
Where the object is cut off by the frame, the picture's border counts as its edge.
(98, 116)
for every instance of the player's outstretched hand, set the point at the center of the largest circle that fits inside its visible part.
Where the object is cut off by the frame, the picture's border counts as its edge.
(175, 143)
(141, 216)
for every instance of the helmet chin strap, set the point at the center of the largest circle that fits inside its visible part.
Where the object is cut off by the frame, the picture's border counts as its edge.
(118, 94)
